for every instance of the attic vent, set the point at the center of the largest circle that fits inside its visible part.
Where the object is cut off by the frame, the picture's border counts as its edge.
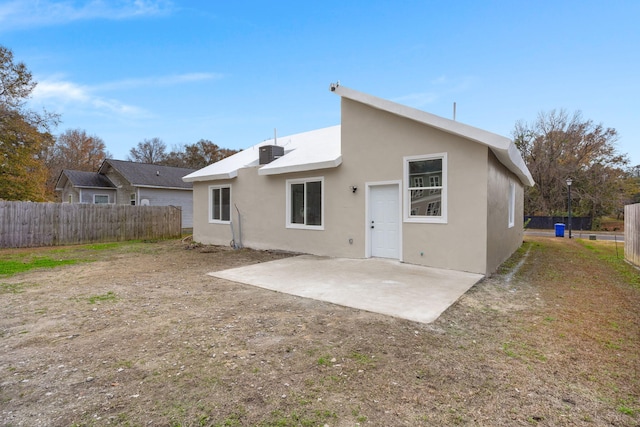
(268, 153)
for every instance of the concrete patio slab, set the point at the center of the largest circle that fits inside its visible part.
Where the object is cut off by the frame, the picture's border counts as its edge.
(383, 286)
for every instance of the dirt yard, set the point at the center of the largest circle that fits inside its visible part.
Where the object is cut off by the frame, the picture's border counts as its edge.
(138, 335)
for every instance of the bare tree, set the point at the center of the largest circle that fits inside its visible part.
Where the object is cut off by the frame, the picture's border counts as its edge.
(16, 82)
(77, 150)
(149, 151)
(558, 146)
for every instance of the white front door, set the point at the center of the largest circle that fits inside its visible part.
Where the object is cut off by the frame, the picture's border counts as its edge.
(384, 221)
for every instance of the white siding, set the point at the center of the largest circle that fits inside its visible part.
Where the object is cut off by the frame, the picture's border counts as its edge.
(161, 197)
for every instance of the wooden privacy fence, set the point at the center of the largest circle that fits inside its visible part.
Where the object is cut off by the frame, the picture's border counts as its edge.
(632, 233)
(28, 224)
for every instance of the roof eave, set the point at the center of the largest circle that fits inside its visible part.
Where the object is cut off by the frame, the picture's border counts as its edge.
(504, 149)
(161, 187)
(512, 160)
(91, 187)
(212, 177)
(328, 164)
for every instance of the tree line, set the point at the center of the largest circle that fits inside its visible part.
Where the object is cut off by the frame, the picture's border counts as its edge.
(556, 146)
(193, 156)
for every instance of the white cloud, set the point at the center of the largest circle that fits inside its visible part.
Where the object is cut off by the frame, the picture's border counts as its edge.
(158, 81)
(18, 14)
(443, 87)
(440, 80)
(417, 99)
(57, 94)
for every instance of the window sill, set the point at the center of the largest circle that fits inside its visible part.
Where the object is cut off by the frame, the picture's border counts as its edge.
(436, 220)
(217, 221)
(306, 227)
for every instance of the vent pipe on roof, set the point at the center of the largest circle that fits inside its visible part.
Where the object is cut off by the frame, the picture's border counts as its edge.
(454, 111)
(275, 136)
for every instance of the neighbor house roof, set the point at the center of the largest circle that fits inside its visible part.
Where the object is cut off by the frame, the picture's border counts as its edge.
(149, 175)
(81, 179)
(317, 149)
(503, 148)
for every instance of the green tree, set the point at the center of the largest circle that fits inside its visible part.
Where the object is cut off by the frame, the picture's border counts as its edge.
(25, 135)
(198, 155)
(632, 185)
(558, 146)
(204, 153)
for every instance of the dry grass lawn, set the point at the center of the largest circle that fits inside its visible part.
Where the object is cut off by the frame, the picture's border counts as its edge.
(137, 334)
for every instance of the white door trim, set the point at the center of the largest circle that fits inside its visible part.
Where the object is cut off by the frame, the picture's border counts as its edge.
(367, 222)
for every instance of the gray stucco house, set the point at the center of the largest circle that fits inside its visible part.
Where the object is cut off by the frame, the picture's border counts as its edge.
(390, 181)
(130, 183)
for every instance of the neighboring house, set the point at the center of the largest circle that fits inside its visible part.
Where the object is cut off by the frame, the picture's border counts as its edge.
(390, 181)
(85, 187)
(130, 183)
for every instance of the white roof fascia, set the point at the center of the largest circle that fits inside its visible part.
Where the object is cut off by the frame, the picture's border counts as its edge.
(504, 149)
(303, 167)
(226, 168)
(214, 177)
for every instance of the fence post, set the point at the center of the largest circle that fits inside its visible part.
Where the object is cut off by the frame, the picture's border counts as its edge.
(631, 233)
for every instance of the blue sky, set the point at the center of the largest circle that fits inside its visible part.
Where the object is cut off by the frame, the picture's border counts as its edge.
(233, 71)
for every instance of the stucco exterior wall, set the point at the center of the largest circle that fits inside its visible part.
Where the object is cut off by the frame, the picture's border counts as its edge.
(374, 144)
(261, 201)
(502, 240)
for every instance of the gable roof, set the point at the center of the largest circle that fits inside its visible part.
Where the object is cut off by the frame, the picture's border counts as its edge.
(149, 175)
(316, 149)
(503, 148)
(81, 179)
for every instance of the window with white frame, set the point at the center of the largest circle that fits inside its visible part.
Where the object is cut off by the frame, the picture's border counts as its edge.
(305, 203)
(512, 204)
(220, 204)
(100, 199)
(425, 179)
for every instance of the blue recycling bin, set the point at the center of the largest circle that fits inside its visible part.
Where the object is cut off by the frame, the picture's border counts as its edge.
(559, 230)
